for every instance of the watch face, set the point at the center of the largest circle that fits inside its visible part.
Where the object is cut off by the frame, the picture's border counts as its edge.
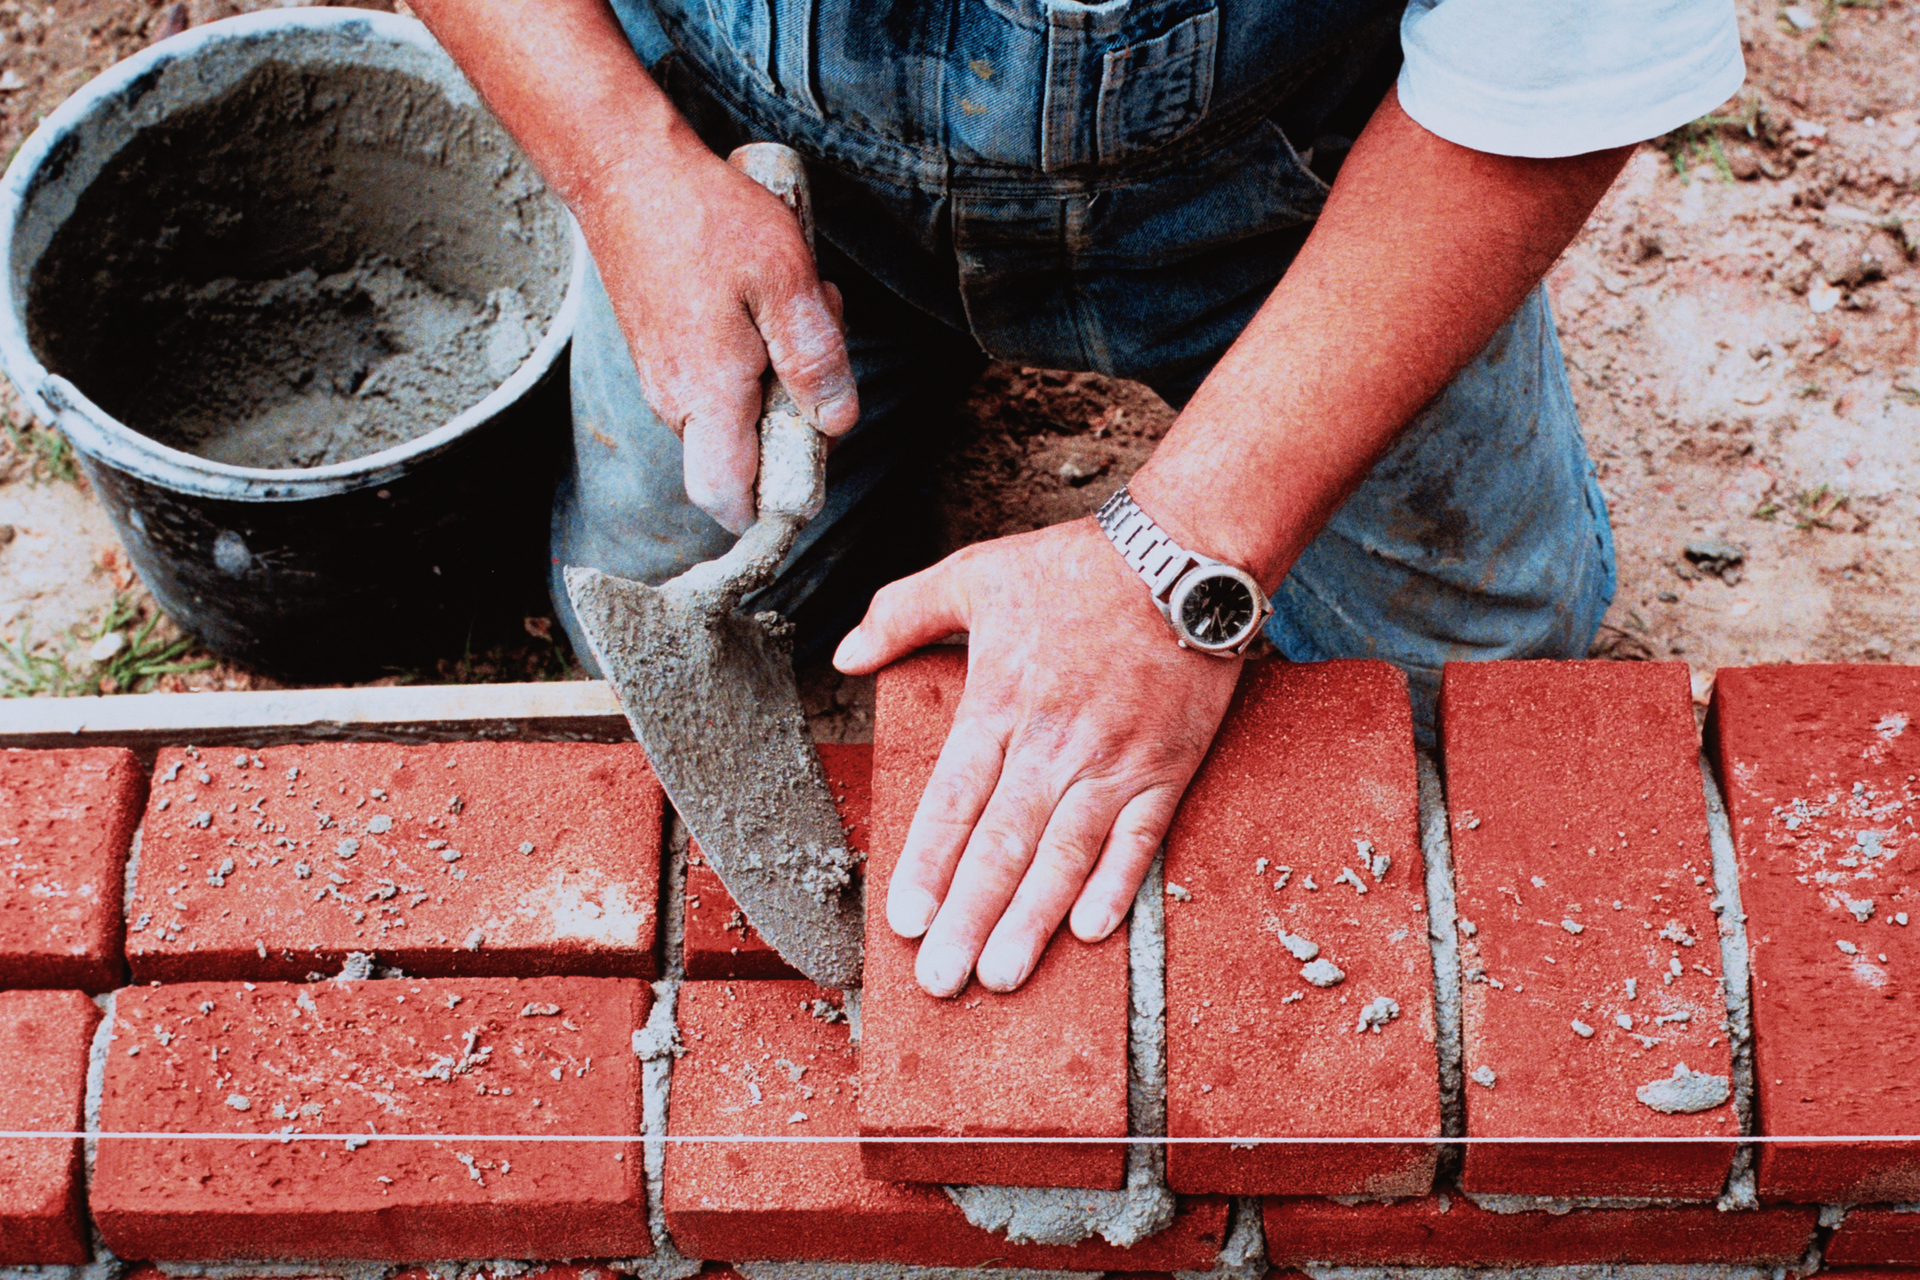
(1217, 609)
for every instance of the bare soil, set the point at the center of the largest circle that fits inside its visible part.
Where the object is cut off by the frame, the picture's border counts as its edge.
(1741, 321)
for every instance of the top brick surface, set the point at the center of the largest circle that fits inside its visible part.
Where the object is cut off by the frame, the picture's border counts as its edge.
(66, 821)
(1588, 941)
(475, 858)
(1047, 1060)
(1820, 763)
(1310, 787)
(541, 1057)
(44, 1038)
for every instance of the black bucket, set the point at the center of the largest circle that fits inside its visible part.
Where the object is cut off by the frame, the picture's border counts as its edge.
(303, 310)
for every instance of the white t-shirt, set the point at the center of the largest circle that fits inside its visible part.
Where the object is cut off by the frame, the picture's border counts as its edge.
(1562, 77)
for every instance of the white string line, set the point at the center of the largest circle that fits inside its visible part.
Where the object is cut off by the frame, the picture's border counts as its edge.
(275, 1136)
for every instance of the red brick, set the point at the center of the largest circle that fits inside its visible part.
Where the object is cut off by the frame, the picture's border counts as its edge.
(720, 943)
(66, 821)
(1048, 1060)
(1450, 1230)
(1573, 787)
(386, 1056)
(745, 1043)
(44, 1038)
(1310, 760)
(558, 868)
(1877, 1235)
(1812, 757)
(1871, 1273)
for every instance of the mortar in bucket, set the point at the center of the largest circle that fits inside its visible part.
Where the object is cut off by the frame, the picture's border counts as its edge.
(303, 309)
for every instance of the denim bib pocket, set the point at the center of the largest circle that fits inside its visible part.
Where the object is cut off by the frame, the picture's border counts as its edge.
(772, 41)
(1154, 91)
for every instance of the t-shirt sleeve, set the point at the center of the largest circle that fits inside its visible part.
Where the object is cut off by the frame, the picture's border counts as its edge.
(1562, 77)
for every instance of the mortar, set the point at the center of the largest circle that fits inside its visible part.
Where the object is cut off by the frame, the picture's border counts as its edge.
(302, 308)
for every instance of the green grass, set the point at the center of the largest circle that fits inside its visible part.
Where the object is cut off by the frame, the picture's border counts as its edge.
(144, 658)
(29, 670)
(1907, 392)
(47, 454)
(1699, 142)
(1809, 509)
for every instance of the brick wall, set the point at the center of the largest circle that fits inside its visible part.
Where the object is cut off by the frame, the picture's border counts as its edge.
(377, 980)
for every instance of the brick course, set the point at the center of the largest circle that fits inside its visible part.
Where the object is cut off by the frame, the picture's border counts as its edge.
(1582, 864)
(719, 941)
(66, 821)
(1047, 1060)
(1313, 762)
(1878, 1234)
(1819, 764)
(44, 1038)
(446, 1056)
(472, 858)
(759, 1061)
(1450, 1230)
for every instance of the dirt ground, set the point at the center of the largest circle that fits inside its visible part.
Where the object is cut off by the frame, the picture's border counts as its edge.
(1741, 322)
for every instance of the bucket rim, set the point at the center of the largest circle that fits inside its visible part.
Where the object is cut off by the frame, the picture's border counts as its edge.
(102, 437)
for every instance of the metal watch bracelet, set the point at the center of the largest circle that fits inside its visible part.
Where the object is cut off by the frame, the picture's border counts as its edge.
(1164, 565)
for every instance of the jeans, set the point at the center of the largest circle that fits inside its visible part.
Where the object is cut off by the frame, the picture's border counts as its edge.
(1111, 187)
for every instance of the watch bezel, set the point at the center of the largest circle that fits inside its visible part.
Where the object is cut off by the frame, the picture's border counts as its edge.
(1177, 598)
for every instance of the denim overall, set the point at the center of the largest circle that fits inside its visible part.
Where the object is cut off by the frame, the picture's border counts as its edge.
(1113, 187)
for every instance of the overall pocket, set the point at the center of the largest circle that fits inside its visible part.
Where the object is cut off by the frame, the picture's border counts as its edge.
(1156, 90)
(772, 40)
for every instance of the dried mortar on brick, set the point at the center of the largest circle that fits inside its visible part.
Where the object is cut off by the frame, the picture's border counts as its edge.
(1736, 984)
(323, 263)
(1436, 848)
(1145, 1205)
(658, 1045)
(1244, 1254)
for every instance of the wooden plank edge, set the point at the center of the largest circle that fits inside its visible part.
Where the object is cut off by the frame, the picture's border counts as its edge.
(556, 711)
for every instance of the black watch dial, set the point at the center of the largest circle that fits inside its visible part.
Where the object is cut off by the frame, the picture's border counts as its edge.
(1218, 610)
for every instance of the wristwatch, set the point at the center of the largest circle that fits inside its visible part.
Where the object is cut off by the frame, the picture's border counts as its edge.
(1214, 607)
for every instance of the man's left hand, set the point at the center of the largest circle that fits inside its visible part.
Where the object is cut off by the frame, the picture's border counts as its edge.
(1081, 725)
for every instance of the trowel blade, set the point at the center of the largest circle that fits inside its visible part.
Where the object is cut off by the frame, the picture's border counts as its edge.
(713, 700)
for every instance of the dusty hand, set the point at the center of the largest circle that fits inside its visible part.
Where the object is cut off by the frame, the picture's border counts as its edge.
(1081, 725)
(711, 280)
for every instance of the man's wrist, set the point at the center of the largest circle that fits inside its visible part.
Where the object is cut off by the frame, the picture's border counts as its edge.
(1196, 522)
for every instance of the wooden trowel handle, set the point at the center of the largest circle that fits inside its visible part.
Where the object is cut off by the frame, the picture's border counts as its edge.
(793, 456)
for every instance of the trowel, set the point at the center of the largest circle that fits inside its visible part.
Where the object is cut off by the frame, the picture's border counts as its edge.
(710, 692)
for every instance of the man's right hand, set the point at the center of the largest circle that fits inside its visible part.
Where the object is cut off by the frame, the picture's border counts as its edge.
(708, 274)
(711, 280)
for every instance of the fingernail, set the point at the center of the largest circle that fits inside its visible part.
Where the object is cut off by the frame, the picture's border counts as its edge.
(828, 413)
(1107, 926)
(1001, 968)
(852, 652)
(910, 911)
(942, 969)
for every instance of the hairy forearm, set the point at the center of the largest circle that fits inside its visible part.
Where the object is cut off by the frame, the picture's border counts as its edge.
(563, 79)
(1423, 250)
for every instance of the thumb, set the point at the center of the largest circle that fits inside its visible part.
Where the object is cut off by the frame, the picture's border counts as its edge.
(807, 347)
(904, 615)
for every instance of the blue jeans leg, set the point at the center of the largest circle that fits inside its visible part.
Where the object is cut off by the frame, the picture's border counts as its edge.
(621, 506)
(1481, 534)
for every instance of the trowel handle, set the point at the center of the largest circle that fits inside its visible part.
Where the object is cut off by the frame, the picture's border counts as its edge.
(793, 456)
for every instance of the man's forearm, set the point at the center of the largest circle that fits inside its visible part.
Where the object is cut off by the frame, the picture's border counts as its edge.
(1422, 252)
(563, 79)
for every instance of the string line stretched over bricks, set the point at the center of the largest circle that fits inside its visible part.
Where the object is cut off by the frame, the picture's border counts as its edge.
(694, 1139)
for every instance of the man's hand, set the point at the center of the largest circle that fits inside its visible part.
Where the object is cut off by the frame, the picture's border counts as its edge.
(1081, 725)
(1082, 722)
(711, 280)
(708, 274)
